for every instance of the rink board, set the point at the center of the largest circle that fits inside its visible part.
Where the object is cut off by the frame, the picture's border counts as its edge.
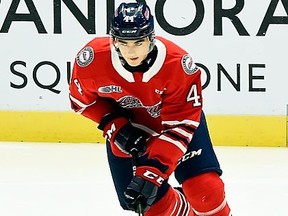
(225, 130)
(239, 74)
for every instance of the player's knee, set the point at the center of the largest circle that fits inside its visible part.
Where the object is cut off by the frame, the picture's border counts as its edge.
(206, 194)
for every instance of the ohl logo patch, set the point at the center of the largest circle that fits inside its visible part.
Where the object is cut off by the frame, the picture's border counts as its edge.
(188, 65)
(85, 57)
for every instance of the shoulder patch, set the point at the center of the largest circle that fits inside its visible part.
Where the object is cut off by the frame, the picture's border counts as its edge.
(85, 56)
(188, 65)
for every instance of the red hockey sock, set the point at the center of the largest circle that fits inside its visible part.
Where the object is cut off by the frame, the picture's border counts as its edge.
(172, 204)
(206, 195)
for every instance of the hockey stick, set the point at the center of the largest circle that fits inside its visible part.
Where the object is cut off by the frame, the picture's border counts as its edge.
(134, 154)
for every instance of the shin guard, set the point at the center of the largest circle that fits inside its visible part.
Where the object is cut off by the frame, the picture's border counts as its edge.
(206, 194)
(172, 204)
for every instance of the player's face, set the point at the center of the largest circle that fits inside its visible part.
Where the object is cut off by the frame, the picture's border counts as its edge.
(134, 51)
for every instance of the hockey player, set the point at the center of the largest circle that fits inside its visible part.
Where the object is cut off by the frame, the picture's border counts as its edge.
(144, 92)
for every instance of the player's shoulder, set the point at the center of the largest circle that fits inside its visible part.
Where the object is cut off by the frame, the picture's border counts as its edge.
(176, 57)
(174, 53)
(94, 51)
(171, 47)
(100, 44)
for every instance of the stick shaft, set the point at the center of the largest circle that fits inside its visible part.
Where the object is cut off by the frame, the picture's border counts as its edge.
(134, 163)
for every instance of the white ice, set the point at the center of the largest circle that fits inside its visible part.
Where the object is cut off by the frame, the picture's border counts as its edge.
(46, 179)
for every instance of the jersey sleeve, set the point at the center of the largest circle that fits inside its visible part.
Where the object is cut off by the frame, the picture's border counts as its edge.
(180, 113)
(84, 100)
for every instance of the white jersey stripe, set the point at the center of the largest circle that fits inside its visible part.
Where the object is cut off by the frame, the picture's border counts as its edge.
(175, 206)
(184, 207)
(180, 205)
(80, 104)
(185, 121)
(183, 132)
(174, 142)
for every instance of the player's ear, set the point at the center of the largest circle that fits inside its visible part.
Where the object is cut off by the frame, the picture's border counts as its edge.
(113, 42)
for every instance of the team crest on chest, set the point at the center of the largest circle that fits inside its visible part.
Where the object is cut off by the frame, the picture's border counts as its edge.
(129, 102)
(188, 65)
(85, 56)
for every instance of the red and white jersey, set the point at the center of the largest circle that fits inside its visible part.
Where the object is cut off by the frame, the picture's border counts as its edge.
(165, 101)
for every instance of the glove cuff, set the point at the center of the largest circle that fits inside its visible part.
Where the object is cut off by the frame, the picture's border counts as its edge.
(151, 174)
(112, 128)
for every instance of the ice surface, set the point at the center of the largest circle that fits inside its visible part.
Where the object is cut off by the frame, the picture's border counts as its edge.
(47, 179)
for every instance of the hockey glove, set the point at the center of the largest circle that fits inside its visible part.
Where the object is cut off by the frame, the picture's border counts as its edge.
(118, 130)
(144, 186)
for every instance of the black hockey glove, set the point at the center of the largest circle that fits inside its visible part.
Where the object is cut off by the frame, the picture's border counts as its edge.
(130, 138)
(144, 185)
(118, 130)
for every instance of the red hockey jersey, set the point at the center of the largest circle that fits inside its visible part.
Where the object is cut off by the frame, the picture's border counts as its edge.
(165, 101)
